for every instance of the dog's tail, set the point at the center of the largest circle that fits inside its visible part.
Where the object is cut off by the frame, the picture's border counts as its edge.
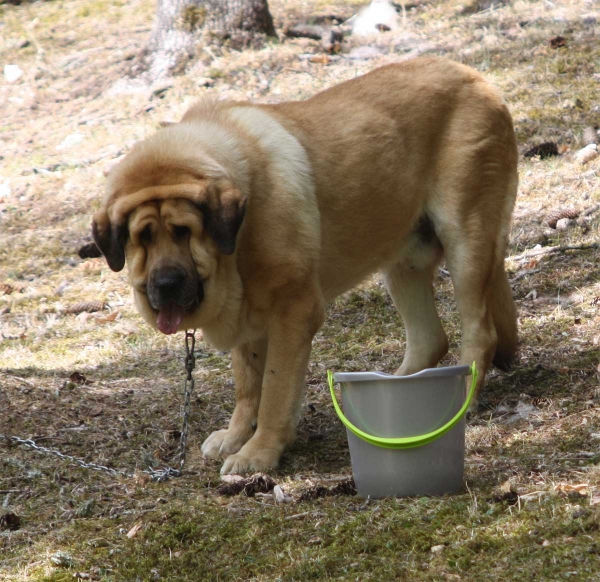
(504, 314)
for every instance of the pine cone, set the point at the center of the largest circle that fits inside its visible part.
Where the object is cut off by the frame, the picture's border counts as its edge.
(556, 215)
(10, 521)
(590, 135)
(543, 150)
(8, 288)
(87, 306)
(89, 251)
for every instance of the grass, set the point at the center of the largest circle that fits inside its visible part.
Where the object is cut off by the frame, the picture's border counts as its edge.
(530, 508)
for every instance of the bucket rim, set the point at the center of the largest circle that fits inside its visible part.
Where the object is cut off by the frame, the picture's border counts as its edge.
(426, 373)
(405, 442)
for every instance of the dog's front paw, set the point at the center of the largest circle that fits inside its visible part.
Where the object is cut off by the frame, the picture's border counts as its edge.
(251, 459)
(224, 442)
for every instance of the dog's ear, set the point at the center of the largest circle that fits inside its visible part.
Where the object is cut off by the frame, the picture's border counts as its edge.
(223, 212)
(110, 239)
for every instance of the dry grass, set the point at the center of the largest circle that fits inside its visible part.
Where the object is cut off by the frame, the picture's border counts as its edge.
(63, 123)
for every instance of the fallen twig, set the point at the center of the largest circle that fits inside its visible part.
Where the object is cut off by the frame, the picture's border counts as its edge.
(524, 273)
(590, 210)
(313, 31)
(550, 250)
(304, 514)
(66, 165)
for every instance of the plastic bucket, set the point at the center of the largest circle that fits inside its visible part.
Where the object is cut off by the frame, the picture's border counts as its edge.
(406, 433)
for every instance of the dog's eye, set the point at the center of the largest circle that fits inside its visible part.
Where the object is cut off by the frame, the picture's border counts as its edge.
(180, 232)
(146, 235)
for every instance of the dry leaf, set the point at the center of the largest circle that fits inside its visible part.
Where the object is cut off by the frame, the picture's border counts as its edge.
(534, 496)
(137, 527)
(322, 59)
(108, 318)
(126, 328)
(507, 487)
(531, 264)
(558, 42)
(581, 488)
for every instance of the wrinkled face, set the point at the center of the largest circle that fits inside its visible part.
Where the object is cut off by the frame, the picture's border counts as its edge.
(173, 214)
(171, 259)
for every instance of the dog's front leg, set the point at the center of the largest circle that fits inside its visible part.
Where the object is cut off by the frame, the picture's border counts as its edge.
(292, 326)
(248, 368)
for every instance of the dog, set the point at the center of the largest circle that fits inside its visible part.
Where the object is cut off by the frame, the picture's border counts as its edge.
(245, 220)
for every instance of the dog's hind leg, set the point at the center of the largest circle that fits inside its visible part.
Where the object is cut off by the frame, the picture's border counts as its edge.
(410, 284)
(248, 368)
(472, 256)
(504, 313)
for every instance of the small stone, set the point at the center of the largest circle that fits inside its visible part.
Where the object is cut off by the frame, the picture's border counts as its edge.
(205, 82)
(587, 154)
(438, 549)
(564, 223)
(280, 496)
(70, 141)
(62, 559)
(86, 509)
(364, 53)
(12, 73)
(5, 189)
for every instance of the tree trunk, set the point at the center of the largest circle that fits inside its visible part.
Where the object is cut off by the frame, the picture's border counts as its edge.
(180, 25)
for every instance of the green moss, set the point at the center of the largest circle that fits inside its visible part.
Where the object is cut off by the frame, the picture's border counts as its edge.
(192, 17)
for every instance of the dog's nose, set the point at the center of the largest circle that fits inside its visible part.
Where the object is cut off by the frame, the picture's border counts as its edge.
(169, 283)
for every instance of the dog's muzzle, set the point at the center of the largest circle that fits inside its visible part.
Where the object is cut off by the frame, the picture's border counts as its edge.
(173, 293)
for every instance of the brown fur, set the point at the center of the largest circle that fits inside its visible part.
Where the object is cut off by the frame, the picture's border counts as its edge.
(268, 212)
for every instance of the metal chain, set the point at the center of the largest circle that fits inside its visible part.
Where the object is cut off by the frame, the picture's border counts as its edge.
(40, 449)
(155, 474)
(190, 364)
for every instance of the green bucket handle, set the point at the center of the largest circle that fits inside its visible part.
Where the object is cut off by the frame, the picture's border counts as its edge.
(405, 442)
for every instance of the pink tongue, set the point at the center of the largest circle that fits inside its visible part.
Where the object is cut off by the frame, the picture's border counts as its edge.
(170, 318)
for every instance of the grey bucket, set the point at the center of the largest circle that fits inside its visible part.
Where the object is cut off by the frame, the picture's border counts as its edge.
(406, 433)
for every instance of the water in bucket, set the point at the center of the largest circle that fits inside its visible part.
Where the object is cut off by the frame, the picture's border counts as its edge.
(406, 433)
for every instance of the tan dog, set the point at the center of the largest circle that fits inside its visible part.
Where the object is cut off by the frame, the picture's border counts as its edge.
(245, 220)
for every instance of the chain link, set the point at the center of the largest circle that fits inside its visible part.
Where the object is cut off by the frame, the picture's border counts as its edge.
(190, 364)
(40, 449)
(158, 475)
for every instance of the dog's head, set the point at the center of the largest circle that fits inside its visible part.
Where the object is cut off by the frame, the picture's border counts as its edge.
(173, 214)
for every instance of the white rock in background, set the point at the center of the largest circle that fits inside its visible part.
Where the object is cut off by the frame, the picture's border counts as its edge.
(12, 73)
(364, 53)
(70, 141)
(372, 19)
(5, 190)
(564, 223)
(280, 496)
(587, 154)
